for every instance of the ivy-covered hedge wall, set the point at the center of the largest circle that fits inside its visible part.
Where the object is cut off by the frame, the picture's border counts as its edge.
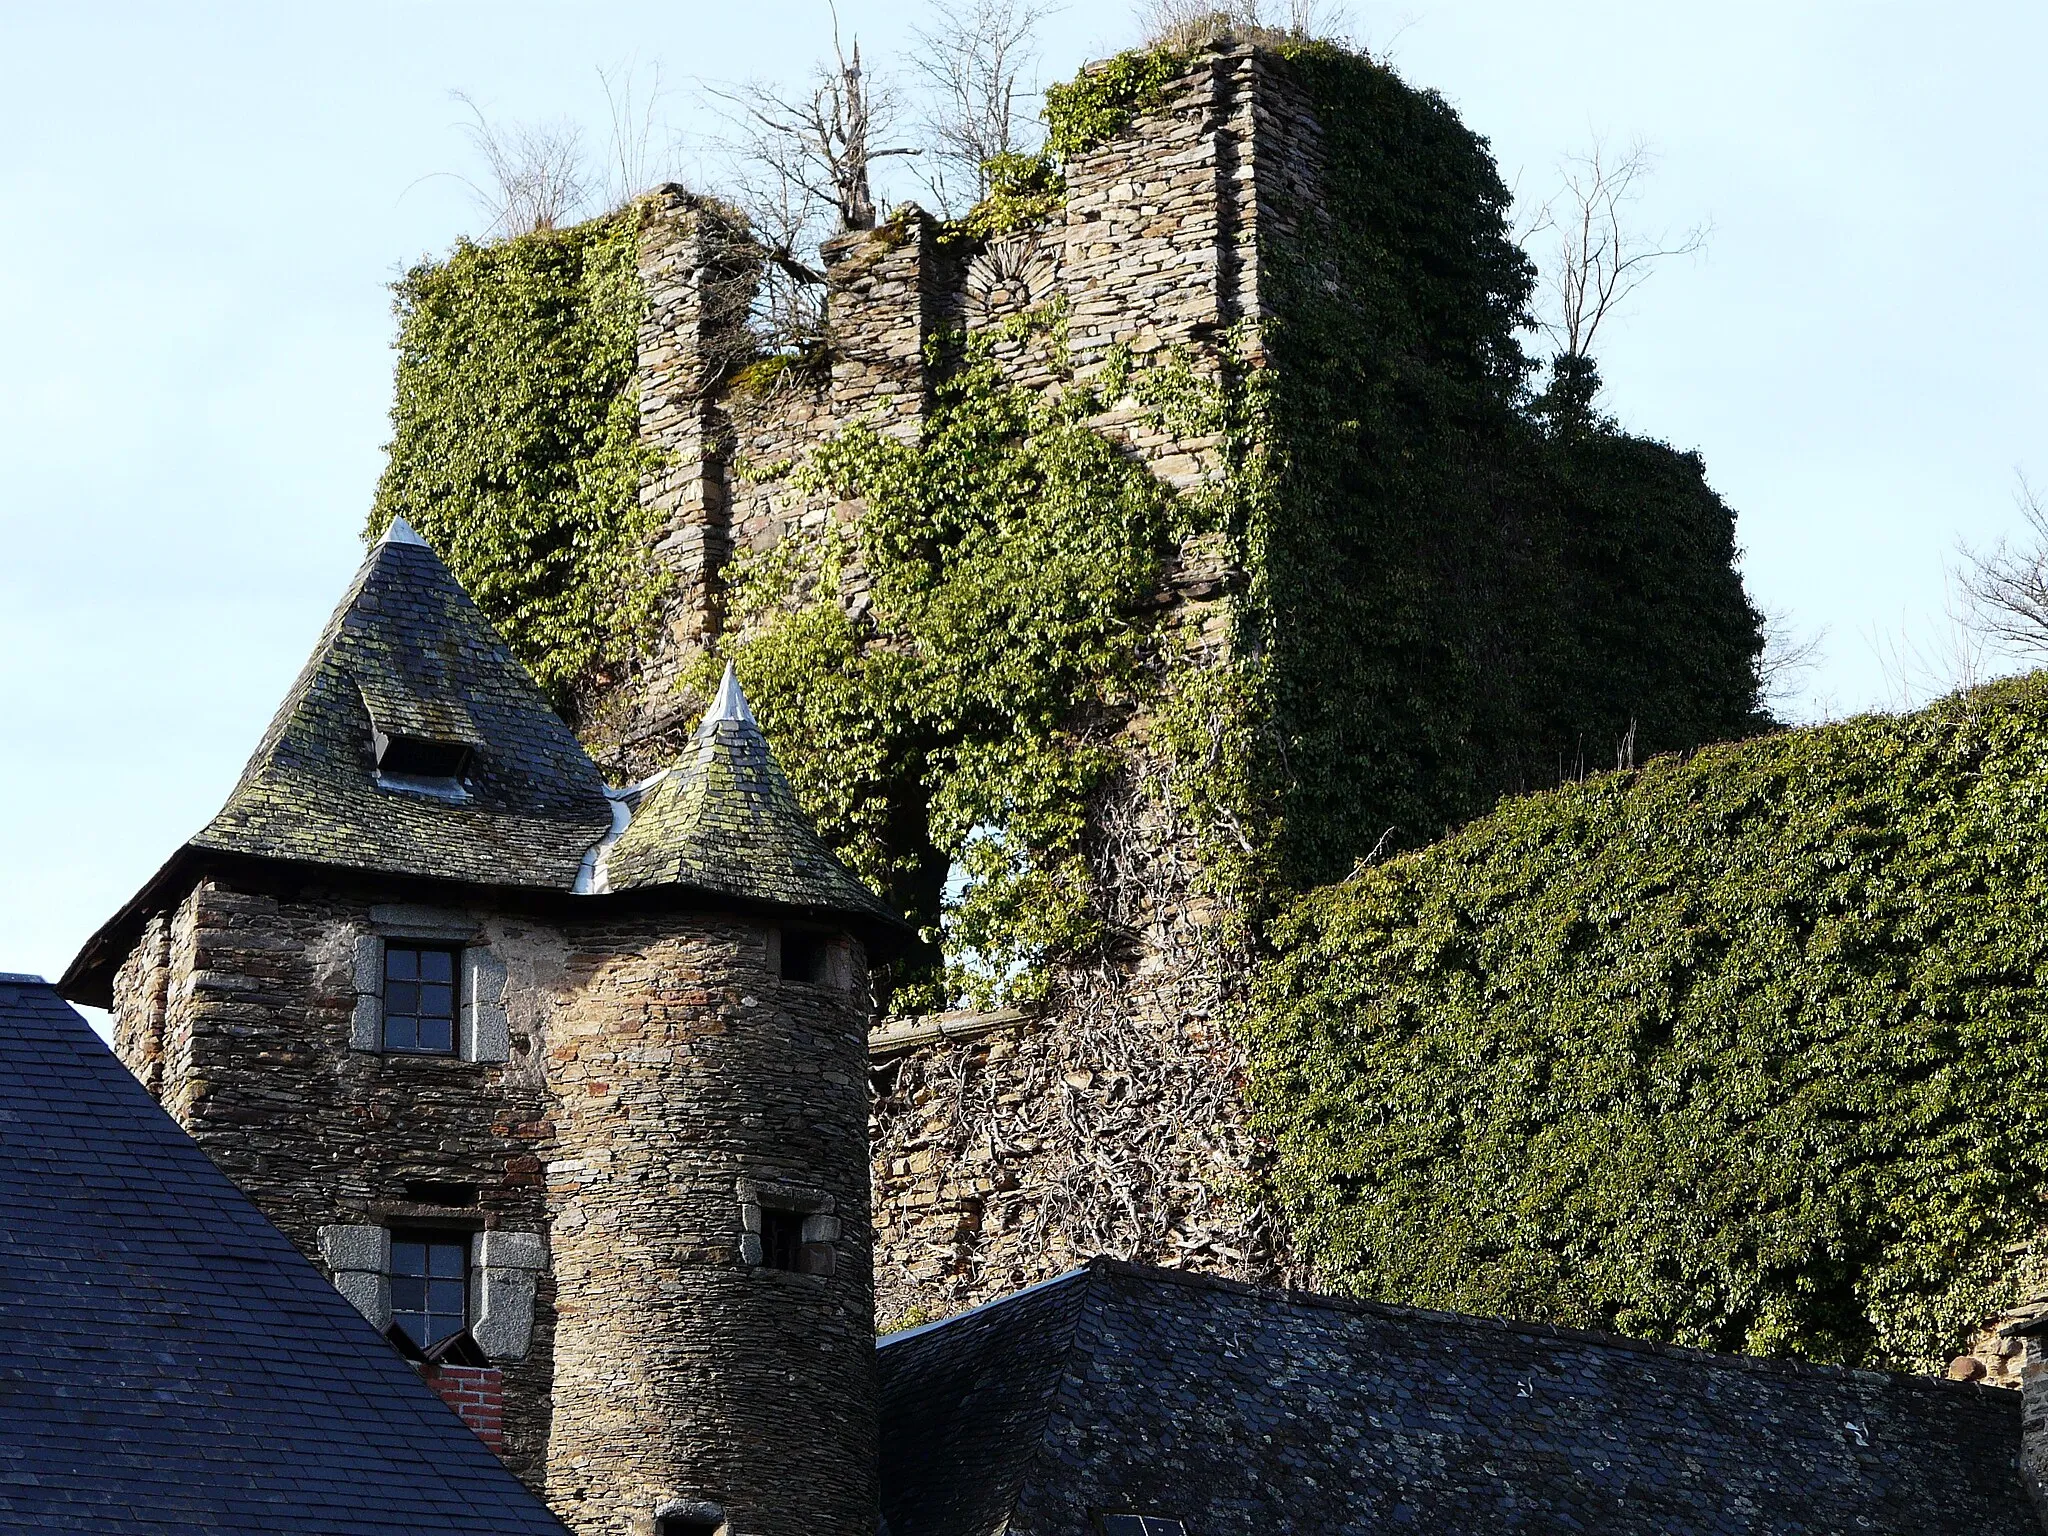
(1747, 1050)
(1462, 590)
(515, 446)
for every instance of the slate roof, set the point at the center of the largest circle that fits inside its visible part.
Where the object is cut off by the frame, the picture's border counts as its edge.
(1239, 1410)
(168, 1361)
(408, 649)
(724, 819)
(409, 654)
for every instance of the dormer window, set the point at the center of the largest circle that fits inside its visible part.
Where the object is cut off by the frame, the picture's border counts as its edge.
(416, 757)
(423, 738)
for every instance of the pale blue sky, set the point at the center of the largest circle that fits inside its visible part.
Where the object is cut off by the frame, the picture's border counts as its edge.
(202, 207)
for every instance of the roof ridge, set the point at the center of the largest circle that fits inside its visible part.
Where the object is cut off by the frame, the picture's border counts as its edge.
(1474, 1322)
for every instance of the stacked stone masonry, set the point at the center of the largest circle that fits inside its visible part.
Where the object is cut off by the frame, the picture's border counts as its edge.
(1110, 1122)
(660, 1079)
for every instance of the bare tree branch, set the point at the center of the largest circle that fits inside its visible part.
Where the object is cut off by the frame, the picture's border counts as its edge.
(1790, 658)
(2005, 588)
(974, 59)
(1598, 259)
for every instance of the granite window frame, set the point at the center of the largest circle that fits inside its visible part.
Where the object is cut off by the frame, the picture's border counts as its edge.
(504, 1273)
(817, 1255)
(483, 1022)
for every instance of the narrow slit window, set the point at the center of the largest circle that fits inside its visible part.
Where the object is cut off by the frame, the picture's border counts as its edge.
(420, 999)
(430, 1285)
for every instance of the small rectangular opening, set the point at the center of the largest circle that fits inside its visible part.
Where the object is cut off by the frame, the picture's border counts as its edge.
(782, 1238)
(806, 957)
(415, 757)
(432, 1192)
(687, 1525)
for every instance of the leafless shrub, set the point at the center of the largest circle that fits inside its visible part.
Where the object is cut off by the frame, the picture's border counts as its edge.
(1598, 259)
(633, 164)
(1920, 664)
(974, 60)
(538, 175)
(2005, 587)
(1190, 23)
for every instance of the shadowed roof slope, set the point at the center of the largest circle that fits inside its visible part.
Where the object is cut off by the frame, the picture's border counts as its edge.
(1241, 1410)
(168, 1361)
(724, 819)
(409, 651)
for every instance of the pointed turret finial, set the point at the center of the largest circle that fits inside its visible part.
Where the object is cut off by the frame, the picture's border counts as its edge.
(402, 532)
(731, 703)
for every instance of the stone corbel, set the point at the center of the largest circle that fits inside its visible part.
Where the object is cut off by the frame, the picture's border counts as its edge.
(504, 1268)
(359, 1258)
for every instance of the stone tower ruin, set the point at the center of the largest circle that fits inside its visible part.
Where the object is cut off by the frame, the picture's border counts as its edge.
(563, 1084)
(1393, 583)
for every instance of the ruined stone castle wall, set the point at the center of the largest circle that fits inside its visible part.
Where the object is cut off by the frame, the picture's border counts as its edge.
(1109, 1121)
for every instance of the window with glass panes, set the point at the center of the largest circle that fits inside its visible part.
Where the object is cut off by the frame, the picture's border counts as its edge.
(419, 998)
(430, 1285)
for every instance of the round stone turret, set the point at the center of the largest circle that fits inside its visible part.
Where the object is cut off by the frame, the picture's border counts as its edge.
(714, 1345)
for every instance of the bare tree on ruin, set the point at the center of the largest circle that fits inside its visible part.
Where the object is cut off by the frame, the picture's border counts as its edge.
(975, 60)
(1598, 257)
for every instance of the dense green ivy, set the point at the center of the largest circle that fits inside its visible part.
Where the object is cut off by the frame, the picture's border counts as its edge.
(515, 446)
(961, 722)
(1103, 100)
(1458, 591)
(1742, 1051)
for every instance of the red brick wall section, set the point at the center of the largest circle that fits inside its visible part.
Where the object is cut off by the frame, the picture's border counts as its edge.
(477, 1394)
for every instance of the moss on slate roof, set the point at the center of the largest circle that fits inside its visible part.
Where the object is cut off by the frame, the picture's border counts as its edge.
(409, 648)
(410, 653)
(725, 820)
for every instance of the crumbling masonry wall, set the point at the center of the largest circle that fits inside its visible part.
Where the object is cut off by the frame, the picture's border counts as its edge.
(1109, 1119)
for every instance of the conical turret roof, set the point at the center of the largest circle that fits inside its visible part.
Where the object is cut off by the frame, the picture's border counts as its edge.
(724, 820)
(408, 656)
(415, 745)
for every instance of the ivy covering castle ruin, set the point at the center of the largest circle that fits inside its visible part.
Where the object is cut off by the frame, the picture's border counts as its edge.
(1183, 529)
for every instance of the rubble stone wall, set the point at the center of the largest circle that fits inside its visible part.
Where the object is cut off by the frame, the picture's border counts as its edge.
(992, 1168)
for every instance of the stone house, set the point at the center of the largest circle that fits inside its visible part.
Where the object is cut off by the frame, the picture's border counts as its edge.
(564, 1085)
